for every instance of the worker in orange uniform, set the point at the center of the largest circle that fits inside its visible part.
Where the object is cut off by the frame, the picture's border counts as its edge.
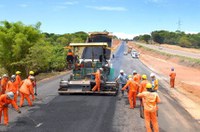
(154, 82)
(31, 73)
(5, 100)
(4, 82)
(132, 91)
(70, 58)
(18, 80)
(142, 88)
(172, 77)
(12, 87)
(137, 78)
(26, 90)
(151, 99)
(97, 80)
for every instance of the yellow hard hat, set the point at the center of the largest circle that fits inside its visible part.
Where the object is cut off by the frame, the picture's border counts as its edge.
(144, 76)
(129, 76)
(31, 73)
(18, 72)
(148, 85)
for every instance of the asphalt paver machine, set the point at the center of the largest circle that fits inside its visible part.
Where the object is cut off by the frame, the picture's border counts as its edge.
(94, 55)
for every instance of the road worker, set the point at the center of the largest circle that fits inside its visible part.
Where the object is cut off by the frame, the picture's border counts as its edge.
(172, 77)
(137, 78)
(142, 88)
(122, 78)
(151, 99)
(31, 74)
(4, 82)
(97, 80)
(0, 86)
(70, 58)
(154, 81)
(12, 87)
(132, 91)
(18, 80)
(26, 90)
(5, 100)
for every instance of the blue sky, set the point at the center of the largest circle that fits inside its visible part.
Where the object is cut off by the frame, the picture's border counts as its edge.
(124, 18)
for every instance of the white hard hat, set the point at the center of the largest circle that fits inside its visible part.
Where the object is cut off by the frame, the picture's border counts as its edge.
(121, 71)
(32, 78)
(134, 71)
(152, 75)
(101, 69)
(5, 75)
(10, 95)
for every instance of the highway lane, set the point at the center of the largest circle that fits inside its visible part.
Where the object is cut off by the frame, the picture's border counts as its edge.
(171, 51)
(81, 113)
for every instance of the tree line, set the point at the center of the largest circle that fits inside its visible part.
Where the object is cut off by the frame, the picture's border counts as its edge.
(174, 38)
(25, 47)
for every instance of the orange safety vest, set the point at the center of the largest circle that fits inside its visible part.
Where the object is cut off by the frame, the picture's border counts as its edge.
(27, 87)
(143, 86)
(172, 75)
(5, 101)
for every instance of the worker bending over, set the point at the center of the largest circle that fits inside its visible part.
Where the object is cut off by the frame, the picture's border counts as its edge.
(151, 99)
(5, 100)
(132, 91)
(172, 77)
(26, 90)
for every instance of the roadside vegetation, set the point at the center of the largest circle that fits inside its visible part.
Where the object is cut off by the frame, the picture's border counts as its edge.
(174, 38)
(25, 48)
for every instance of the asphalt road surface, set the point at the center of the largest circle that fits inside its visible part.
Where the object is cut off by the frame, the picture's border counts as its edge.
(84, 113)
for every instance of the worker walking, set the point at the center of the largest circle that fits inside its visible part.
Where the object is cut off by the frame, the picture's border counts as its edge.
(132, 91)
(154, 82)
(151, 99)
(18, 80)
(122, 78)
(142, 88)
(31, 74)
(4, 82)
(12, 87)
(172, 77)
(5, 100)
(26, 90)
(97, 80)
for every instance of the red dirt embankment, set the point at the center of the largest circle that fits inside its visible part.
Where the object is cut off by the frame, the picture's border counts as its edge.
(188, 78)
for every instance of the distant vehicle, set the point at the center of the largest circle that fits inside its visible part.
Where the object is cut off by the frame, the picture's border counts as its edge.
(125, 53)
(135, 54)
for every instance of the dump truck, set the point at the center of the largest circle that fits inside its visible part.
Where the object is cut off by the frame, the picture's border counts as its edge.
(96, 54)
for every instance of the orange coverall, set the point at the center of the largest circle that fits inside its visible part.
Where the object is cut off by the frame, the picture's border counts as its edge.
(4, 102)
(142, 89)
(172, 78)
(26, 90)
(132, 92)
(4, 82)
(150, 109)
(137, 78)
(12, 87)
(18, 81)
(97, 80)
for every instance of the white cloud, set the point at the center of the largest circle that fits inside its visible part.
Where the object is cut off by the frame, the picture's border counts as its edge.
(23, 5)
(107, 8)
(124, 35)
(70, 2)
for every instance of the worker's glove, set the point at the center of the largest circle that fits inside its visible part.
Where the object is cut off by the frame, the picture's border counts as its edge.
(19, 111)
